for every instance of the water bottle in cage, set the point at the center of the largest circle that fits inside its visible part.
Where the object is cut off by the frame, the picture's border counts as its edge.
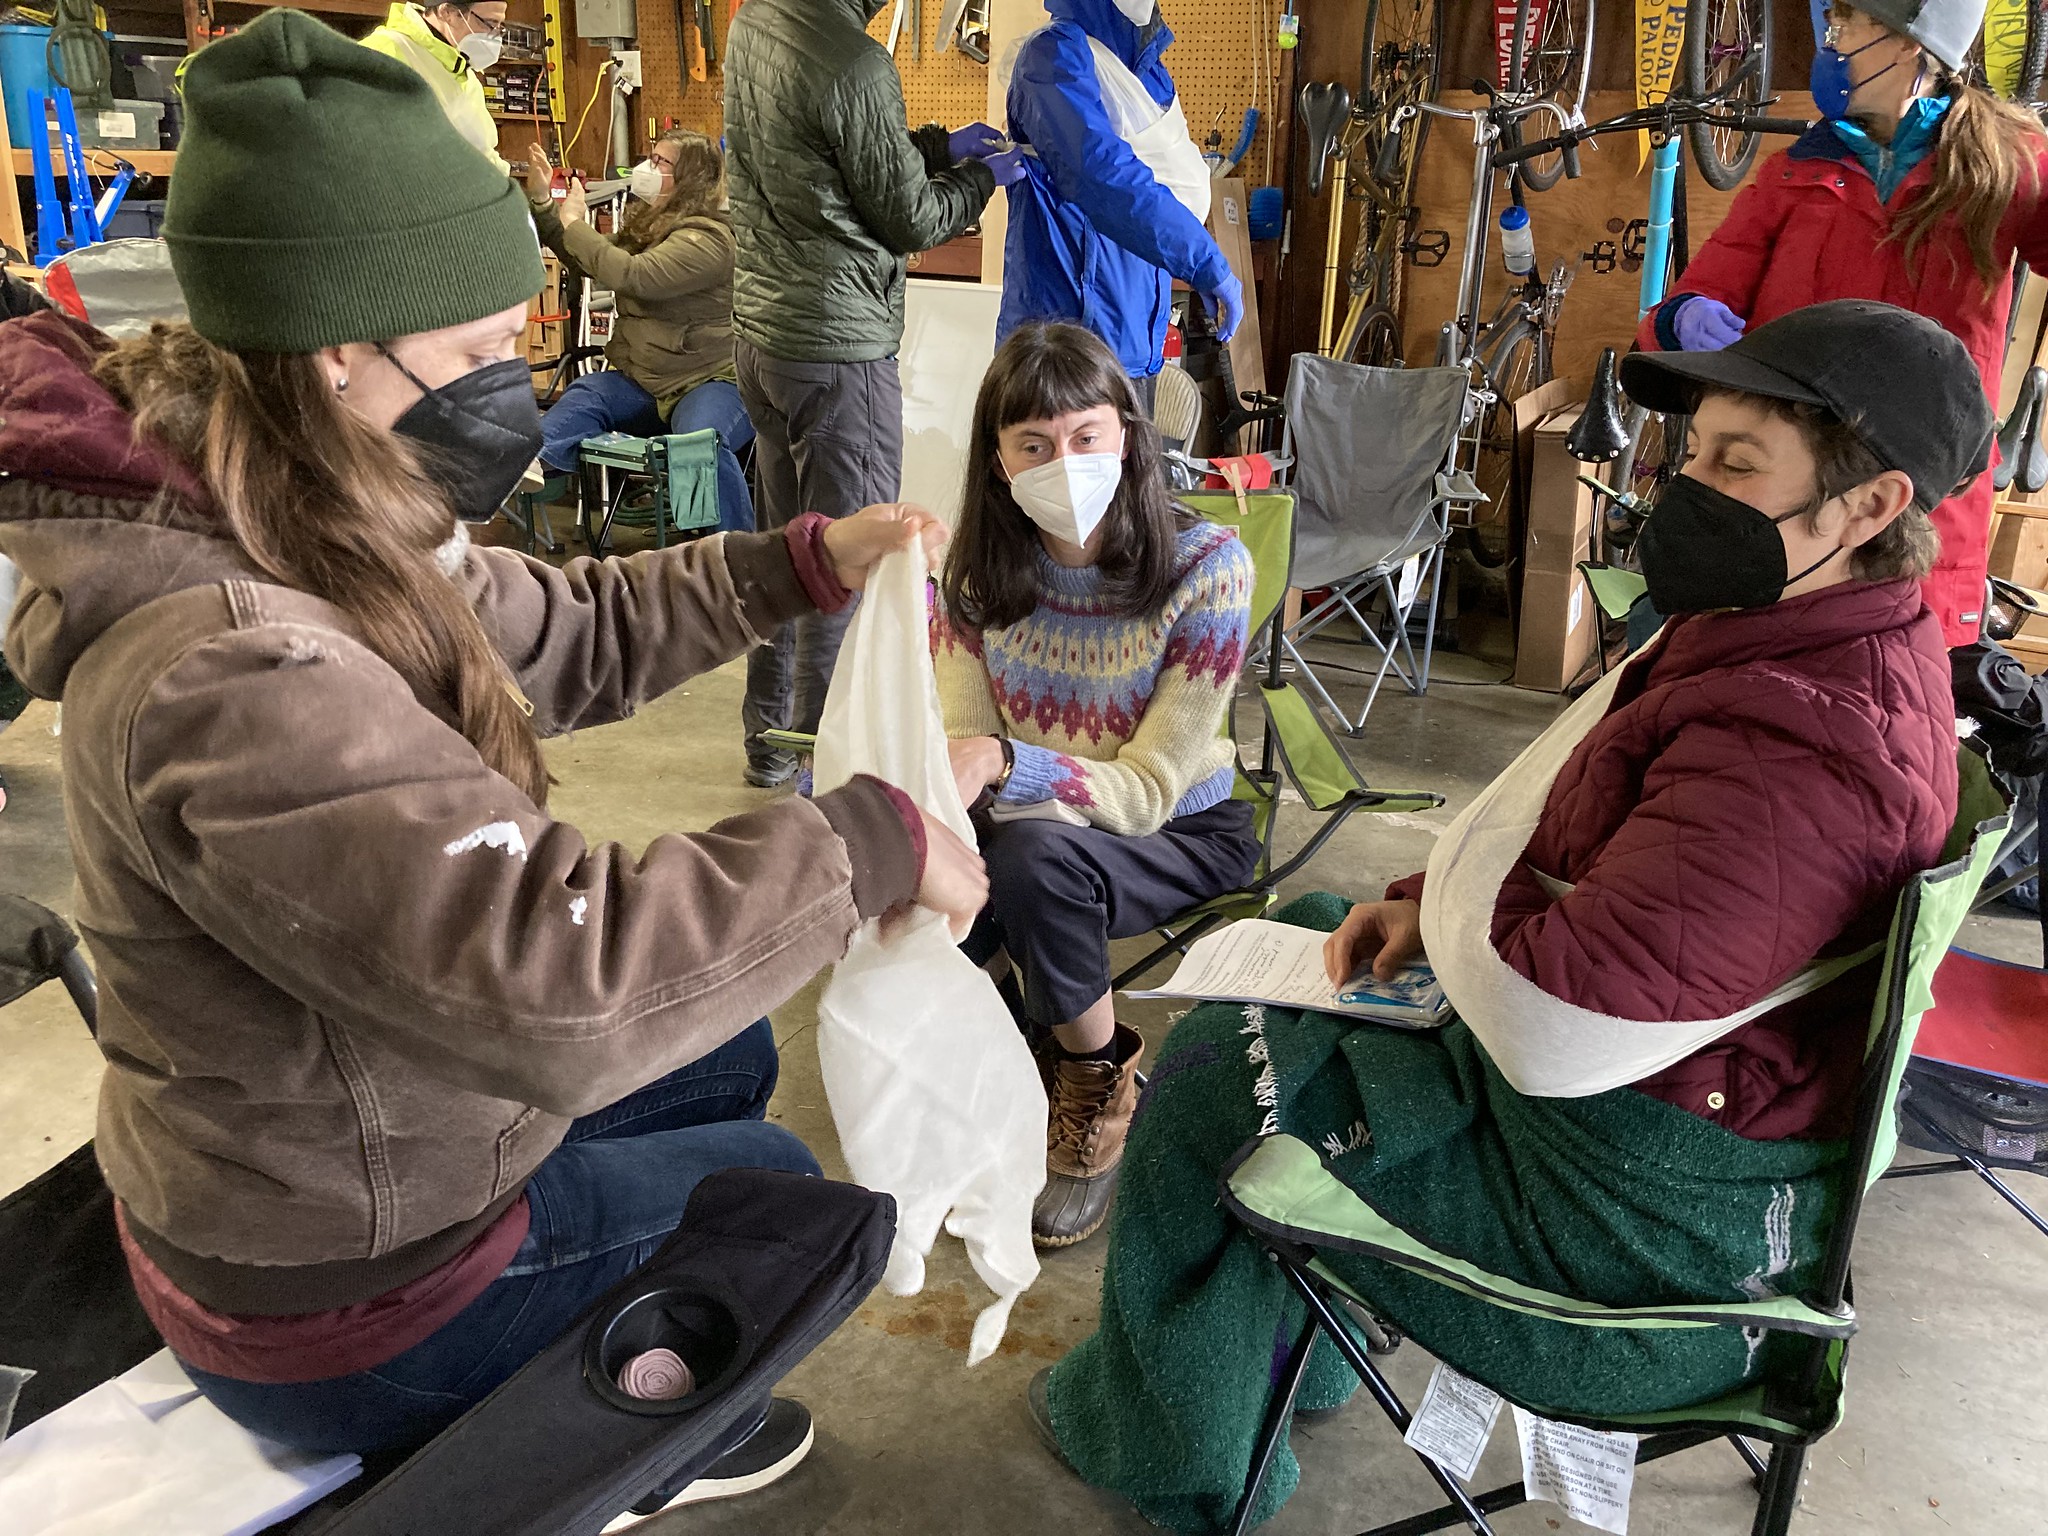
(1517, 241)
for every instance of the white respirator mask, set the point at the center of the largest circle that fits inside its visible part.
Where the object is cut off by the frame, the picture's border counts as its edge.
(645, 182)
(1069, 496)
(1138, 12)
(482, 49)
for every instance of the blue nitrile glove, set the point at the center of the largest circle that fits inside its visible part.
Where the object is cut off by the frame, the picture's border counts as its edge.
(1706, 325)
(973, 142)
(1226, 305)
(1006, 167)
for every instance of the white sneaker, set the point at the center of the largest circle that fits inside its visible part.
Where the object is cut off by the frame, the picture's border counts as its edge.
(778, 1444)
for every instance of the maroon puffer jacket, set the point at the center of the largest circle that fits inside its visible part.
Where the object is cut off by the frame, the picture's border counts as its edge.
(1760, 786)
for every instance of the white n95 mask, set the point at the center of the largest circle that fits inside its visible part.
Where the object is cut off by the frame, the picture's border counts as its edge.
(1068, 497)
(1138, 12)
(481, 49)
(645, 182)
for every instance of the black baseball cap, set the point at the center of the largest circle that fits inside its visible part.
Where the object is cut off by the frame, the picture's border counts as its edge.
(1897, 380)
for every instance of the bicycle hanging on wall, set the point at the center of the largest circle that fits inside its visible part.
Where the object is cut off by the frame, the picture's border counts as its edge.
(1383, 129)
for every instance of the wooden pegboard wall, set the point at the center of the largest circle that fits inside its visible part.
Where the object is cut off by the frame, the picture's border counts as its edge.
(1217, 59)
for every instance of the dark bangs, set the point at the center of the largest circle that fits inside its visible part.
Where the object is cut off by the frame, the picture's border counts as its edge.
(991, 574)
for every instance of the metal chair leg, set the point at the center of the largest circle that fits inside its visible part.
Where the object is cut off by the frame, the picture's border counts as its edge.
(1279, 1414)
(1780, 1495)
(1757, 1465)
(1383, 1393)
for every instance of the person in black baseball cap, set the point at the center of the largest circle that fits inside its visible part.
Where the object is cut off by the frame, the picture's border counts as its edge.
(1820, 442)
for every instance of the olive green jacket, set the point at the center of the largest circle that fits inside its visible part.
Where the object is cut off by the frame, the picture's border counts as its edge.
(829, 193)
(673, 323)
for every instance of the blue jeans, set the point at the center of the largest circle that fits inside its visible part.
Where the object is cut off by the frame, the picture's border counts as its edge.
(601, 1203)
(611, 402)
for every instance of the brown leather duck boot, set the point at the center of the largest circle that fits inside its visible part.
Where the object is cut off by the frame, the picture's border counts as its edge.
(1089, 1114)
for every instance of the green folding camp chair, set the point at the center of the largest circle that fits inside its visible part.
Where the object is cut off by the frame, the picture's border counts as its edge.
(668, 483)
(1297, 748)
(1278, 1188)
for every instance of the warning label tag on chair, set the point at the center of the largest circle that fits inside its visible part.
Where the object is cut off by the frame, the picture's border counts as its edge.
(1454, 1422)
(1587, 1473)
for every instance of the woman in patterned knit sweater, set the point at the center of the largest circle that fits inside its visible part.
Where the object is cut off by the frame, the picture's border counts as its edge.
(1087, 638)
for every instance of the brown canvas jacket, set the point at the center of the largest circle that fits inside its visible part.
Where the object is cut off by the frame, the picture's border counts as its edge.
(353, 982)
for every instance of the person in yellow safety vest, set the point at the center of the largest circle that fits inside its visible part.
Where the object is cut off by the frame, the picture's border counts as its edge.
(450, 45)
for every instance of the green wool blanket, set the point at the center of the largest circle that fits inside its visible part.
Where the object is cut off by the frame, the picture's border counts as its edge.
(1618, 1198)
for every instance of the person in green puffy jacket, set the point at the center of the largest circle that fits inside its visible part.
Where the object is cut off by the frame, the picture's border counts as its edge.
(831, 193)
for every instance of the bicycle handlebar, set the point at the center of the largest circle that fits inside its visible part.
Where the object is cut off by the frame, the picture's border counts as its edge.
(1670, 115)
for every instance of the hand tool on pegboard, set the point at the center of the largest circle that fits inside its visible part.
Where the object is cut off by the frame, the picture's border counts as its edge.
(707, 34)
(690, 39)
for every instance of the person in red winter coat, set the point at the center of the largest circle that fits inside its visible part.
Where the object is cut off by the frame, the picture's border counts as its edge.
(1916, 189)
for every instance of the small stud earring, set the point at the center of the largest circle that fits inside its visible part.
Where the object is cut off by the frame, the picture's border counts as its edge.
(341, 386)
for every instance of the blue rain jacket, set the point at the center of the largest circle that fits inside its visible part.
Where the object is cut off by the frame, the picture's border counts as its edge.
(1094, 238)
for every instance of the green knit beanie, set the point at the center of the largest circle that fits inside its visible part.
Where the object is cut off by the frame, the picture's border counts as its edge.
(321, 196)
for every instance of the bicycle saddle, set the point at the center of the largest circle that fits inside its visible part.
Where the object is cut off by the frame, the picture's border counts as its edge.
(1325, 107)
(2014, 431)
(2023, 457)
(1599, 437)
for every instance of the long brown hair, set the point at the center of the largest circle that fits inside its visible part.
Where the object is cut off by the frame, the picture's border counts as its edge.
(696, 193)
(1980, 152)
(991, 577)
(323, 501)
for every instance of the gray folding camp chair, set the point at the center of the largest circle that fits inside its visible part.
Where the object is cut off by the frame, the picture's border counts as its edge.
(1376, 485)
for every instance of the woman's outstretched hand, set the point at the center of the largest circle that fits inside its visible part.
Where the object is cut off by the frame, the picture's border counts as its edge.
(540, 175)
(855, 543)
(575, 208)
(1386, 933)
(955, 882)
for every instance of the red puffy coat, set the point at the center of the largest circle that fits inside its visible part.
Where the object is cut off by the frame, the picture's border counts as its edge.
(1761, 785)
(1809, 229)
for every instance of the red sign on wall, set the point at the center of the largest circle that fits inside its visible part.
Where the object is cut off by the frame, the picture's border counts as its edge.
(1504, 37)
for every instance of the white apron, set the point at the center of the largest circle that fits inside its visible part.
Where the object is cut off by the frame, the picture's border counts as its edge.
(1545, 1047)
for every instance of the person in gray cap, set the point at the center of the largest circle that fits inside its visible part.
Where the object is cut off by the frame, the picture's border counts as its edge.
(1709, 847)
(1917, 188)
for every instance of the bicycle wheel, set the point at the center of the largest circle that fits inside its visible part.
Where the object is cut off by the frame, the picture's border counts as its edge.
(1403, 60)
(2034, 61)
(1727, 50)
(1371, 336)
(1559, 67)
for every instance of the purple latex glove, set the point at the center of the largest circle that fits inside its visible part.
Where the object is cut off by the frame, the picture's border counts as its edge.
(1226, 305)
(974, 142)
(1706, 325)
(1007, 167)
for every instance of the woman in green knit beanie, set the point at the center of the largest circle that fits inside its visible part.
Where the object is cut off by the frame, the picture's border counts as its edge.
(402, 1072)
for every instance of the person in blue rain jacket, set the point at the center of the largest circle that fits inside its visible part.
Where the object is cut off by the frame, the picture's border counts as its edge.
(1097, 232)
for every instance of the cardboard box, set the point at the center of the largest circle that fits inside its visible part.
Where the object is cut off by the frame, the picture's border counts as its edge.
(1560, 628)
(1542, 401)
(1230, 223)
(2019, 546)
(1560, 523)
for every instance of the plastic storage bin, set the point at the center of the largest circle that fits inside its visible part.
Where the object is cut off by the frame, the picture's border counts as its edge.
(125, 125)
(24, 67)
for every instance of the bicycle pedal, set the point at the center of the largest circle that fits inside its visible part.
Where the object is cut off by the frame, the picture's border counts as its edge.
(1429, 248)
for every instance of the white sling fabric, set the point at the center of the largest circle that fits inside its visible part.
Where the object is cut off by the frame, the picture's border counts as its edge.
(1544, 1046)
(1158, 135)
(932, 1088)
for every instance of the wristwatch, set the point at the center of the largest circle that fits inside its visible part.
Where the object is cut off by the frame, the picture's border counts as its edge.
(987, 797)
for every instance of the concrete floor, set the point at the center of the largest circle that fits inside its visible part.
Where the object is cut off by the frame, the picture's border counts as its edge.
(1944, 1432)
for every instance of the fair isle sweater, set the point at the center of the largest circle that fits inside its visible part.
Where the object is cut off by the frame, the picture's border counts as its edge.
(1120, 719)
